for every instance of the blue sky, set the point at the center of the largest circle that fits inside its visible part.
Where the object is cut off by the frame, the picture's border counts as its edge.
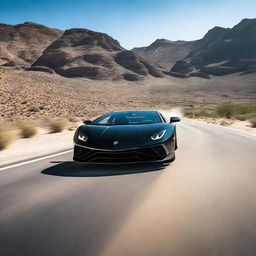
(132, 22)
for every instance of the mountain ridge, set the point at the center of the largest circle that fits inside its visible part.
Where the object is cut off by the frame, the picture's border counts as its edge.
(221, 51)
(164, 53)
(95, 55)
(80, 52)
(22, 44)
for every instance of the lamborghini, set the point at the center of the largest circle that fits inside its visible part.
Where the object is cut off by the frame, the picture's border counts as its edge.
(126, 137)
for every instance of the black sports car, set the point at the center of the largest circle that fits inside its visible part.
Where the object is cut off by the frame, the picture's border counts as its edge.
(126, 137)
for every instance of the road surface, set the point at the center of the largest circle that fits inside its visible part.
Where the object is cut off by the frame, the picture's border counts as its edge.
(202, 204)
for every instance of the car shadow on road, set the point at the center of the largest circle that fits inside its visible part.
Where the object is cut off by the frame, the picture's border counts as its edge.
(75, 169)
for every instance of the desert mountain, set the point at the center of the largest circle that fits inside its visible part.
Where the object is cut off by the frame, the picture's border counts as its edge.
(90, 54)
(22, 44)
(94, 55)
(165, 53)
(221, 51)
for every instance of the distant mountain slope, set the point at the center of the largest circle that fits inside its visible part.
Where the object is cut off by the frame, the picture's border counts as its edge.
(165, 53)
(223, 51)
(94, 55)
(22, 44)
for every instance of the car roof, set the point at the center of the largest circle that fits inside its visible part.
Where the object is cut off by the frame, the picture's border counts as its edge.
(125, 111)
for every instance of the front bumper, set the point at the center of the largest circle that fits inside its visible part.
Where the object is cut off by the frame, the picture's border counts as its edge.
(155, 153)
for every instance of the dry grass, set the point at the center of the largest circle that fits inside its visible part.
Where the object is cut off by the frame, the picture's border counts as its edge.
(199, 113)
(7, 136)
(253, 122)
(57, 124)
(233, 110)
(241, 117)
(73, 119)
(28, 130)
(239, 111)
(247, 116)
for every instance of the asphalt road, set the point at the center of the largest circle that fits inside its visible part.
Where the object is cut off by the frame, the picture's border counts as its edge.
(202, 204)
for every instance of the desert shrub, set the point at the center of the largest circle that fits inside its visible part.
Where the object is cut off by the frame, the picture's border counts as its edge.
(205, 113)
(250, 115)
(188, 113)
(247, 116)
(226, 110)
(33, 109)
(28, 130)
(253, 122)
(239, 111)
(6, 136)
(230, 110)
(224, 122)
(241, 117)
(199, 113)
(57, 124)
(73, 119)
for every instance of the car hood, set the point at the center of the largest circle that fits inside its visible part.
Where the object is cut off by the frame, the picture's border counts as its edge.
(125, 136)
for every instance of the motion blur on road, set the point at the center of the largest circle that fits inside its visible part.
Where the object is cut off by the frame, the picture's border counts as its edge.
(201, 204)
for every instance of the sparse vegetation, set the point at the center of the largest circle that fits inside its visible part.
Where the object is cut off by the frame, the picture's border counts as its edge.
(233, 110)
(247, 116)
(199, 113)
(241, 117)
(225, 110)
(253, 122)
(33, 109)
(73, 119)
(6, 136)
(240, 112)
(28, 130)
(13, 131)
(57, 124)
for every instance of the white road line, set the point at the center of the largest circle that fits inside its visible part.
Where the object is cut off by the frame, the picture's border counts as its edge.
(245, 134)
(35, 160)
(242, 133)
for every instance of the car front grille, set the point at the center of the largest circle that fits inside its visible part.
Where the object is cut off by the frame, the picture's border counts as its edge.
(152, 153)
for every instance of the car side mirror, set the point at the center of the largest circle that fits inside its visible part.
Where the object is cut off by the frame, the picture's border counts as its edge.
(87, 122)
(174, 119)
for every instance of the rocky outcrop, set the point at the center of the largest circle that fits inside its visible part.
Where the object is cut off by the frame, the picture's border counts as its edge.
(164, 53)
(22, 44)
(132, 61)
(94, 55)
(223, 51)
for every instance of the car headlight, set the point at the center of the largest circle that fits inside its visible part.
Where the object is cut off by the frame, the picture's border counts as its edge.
(82, 136)
(158, 135)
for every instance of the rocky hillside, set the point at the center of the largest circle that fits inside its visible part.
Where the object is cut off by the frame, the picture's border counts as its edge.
(31, 95)
(22, 44)
(223, 51)
(89, 54)
(165, 53)
(94, 55)
(73, 53)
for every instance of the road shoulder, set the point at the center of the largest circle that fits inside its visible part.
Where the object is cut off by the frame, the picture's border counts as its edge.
(38, 146)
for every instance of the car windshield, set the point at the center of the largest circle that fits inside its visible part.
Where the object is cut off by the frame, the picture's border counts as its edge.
(129, 118)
